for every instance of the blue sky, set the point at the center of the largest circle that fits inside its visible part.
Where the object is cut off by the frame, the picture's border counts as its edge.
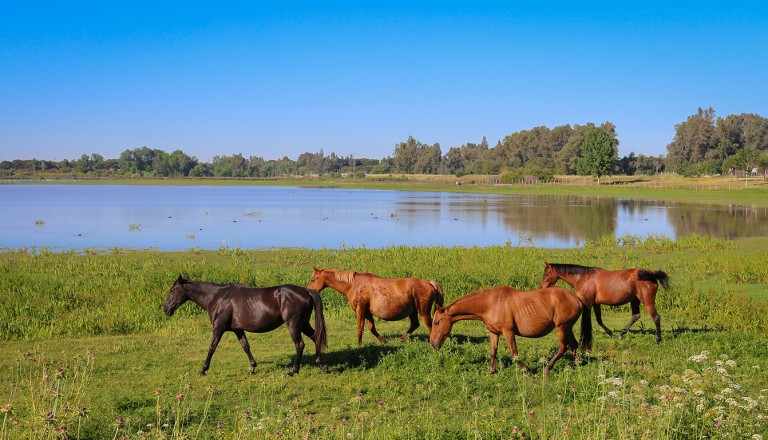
(276, 79)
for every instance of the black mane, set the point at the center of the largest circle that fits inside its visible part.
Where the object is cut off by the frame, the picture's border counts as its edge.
(573, 269)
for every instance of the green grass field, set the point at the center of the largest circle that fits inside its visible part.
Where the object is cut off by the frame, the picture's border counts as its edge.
(89, 354)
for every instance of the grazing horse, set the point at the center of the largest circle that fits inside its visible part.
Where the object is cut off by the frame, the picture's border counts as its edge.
(238, 308)
(509, 312)
(612, 287)
(391, 299)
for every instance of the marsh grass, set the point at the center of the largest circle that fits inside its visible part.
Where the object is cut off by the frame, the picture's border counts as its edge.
(129, 372)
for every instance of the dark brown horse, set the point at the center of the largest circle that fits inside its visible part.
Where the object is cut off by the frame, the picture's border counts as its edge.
(237, 308)
(612, 287)
(391, 299)
(509, 312)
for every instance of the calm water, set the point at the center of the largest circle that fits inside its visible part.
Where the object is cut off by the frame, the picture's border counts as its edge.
(174, 218)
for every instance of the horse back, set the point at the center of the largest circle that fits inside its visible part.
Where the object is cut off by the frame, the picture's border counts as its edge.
(262, 309)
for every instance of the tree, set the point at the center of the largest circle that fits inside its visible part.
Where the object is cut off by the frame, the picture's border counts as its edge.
(695, 139)
(598, 154)
(406, 154)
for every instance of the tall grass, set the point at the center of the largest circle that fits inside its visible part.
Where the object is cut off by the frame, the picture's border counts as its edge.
(90, 354)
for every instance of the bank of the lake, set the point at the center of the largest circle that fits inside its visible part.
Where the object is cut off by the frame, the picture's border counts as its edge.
(706, 190)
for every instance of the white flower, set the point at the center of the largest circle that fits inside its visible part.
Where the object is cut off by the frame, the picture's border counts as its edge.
(700, 357)
(731, 363)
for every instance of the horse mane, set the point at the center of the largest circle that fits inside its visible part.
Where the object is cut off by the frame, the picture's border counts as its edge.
(345, 276)
(574, 269)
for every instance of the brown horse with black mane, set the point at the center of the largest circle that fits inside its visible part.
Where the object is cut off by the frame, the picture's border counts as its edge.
(238, 308)
(612, 287)
(391, 299)
(509, 312)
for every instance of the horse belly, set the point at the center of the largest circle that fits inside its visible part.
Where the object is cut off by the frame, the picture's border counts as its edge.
(533, 329)
(390, 309)
(532, 319)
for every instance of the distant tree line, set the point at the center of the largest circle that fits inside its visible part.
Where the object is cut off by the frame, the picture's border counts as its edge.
(705, 145)
(702, 145)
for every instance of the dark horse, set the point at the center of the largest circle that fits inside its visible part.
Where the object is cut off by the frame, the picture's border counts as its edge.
(612, 287)
(238, 308)
(391, 299)
(509, 312)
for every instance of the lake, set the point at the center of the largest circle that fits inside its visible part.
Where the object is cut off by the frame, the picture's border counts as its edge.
(63, 217)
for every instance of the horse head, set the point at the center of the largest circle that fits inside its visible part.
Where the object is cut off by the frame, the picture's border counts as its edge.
(550, 276)
(441, 328)
(317, 282)
(176, 296)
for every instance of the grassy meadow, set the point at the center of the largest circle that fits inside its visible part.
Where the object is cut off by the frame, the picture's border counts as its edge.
(88, 353)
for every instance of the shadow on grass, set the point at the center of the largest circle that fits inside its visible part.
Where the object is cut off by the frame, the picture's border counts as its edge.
(363, 357)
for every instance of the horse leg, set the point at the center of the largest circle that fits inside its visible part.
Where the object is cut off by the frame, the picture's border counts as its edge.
(299, 344)
(599, 319)
(564, 339)
(656, 320)
(367, 317)
(494, 350)
(307, 329)
(414, 317)
(217, 332)
(246, 348)
(425, 312)
(509, 335)
(635, 305)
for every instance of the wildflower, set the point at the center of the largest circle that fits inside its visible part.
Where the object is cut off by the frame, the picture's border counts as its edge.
(380, 403)
(157, 392)
(180, 397)
(7, 408)
(718, 425)
(757, 437)
(700, 357)
(731, 363)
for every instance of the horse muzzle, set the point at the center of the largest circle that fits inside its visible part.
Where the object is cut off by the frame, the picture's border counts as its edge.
(169, 309)
(436, 344)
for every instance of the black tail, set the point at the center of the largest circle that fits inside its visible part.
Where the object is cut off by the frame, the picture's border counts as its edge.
(659, 277)
(586, 328)
(320, 337)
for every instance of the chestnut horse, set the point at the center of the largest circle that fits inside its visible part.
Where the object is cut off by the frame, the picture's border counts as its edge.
(237, 308)
(612, 287)
(509, 312)
(390, 299)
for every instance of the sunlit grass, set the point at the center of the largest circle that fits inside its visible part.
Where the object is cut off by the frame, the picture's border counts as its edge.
(89, 354)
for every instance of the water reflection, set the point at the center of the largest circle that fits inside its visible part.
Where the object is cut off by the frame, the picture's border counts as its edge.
(173, 218)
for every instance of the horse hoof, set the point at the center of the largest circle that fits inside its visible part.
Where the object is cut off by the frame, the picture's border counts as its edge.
(201, 373)
(290, 373)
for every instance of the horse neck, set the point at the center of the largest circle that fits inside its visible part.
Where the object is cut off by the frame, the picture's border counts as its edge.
(572, 279)
(199, 293)
(471, 307)
(342, 287)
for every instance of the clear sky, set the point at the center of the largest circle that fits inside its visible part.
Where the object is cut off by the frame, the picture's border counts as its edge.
(281, 78)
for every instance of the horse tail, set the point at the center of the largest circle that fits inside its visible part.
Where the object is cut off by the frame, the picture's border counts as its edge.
(659, 276)
(586, 324)
(320, 337)
(439, 297)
